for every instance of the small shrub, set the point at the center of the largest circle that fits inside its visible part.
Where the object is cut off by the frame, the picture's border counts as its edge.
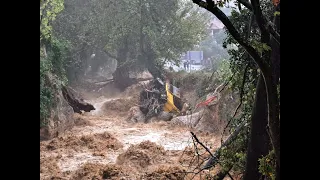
(267, 165)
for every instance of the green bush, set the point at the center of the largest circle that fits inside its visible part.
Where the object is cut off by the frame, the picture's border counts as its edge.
(190, 80)
(267, 165)
(46, 92)
(54, 65)
(58, 55)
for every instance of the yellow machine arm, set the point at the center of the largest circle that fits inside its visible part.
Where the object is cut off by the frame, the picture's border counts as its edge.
(170, 106)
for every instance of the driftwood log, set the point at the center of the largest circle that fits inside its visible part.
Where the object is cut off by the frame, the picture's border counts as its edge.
(77, 103)
(103, 83)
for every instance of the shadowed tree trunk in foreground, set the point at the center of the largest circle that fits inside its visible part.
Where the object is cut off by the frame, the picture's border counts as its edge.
(275, 59)
(259, 141)
(267, 71)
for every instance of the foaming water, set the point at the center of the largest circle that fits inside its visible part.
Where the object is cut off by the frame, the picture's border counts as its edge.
(98, 104)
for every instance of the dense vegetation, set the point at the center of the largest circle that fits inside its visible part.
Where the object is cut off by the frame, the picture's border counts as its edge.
(52, 58)
(254, 72)
(138, 35)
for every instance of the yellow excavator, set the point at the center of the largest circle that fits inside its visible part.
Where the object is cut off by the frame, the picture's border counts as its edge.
(160, 97)
(174, 103)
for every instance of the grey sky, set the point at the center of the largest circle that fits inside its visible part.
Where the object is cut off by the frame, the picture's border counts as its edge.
(227, 10)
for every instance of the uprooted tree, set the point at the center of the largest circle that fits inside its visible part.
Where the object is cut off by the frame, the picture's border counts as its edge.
(256, 34)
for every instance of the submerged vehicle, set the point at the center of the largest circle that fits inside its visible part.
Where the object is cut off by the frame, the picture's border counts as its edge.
(160, 97)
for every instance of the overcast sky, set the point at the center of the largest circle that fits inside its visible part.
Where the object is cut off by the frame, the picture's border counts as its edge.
(227, 11)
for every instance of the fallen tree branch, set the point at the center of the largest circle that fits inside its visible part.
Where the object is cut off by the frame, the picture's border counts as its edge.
(198, 155)
(78, 104)
(103, 81)
(223, 173)
(102, 84)
(214, 157)
(205, 147)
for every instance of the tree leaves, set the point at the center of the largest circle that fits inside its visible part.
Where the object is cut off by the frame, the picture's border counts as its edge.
(48, 12)
(260, 47)
(167, 28)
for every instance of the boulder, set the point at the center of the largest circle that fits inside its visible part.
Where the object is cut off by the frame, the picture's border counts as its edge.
(61, 119)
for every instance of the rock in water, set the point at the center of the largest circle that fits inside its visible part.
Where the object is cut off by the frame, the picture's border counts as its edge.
(135, 115)
(61, 119)
(165, 116)
(189, 120)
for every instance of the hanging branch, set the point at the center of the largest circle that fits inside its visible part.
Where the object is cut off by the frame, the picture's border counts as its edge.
(214, 157)
(241, 99)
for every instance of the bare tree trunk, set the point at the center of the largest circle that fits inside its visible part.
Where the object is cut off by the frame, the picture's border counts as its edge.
(259, 142)
(275, 65)
(121, 75)
(121, 78)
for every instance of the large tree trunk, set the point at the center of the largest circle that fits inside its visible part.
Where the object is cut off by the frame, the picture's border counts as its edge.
(272, 94)
(121, 78)
(259, 139)
(275, 59)
(267, 71)
(121, 75)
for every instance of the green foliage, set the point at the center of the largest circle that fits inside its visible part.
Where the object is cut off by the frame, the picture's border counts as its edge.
(201, 84)
(194, 80)
(52, 76)
(46, 92)
(48, 12)
(260, 47)
(51, 63)
(235, 67)
(60, 50)
(140, 33)
(235, 153)
(224, 72)
(267, 165)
